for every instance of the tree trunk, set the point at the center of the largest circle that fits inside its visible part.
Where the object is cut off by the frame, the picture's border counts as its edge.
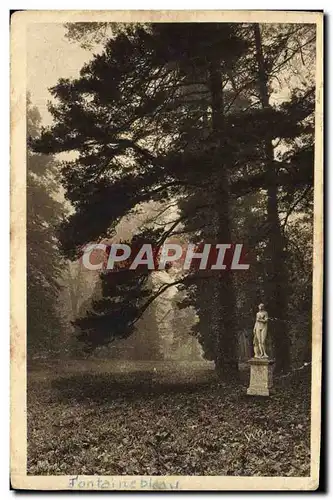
(226, 352)
(276, 285)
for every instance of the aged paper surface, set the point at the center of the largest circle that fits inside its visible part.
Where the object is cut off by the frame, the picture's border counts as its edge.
(30, 48)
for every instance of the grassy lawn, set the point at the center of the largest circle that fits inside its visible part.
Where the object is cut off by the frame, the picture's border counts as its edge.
(111, 418)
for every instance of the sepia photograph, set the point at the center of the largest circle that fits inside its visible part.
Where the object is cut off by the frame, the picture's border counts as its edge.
(167, 250)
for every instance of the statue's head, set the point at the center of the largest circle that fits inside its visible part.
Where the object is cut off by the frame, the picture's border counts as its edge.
(261, 307)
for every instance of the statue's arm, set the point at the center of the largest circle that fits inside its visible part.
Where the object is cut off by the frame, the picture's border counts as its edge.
(265, 318)
(262, 318)
(255, 324)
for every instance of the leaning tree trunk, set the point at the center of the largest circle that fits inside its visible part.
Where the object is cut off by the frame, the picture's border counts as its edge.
(226, 352)
(276, 286)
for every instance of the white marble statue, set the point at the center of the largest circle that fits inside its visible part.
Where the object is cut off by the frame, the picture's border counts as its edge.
(260, 333)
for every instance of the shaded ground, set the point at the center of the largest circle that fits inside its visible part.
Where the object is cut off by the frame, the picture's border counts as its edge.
(178, 420)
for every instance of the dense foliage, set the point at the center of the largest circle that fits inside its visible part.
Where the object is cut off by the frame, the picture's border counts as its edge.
(193, 114)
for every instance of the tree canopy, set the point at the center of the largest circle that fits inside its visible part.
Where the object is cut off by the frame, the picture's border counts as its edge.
(183, 113)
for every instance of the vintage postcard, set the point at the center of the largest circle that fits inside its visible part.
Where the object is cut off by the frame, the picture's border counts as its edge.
(167, 250)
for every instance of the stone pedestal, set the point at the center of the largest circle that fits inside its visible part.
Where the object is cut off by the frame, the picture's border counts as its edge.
(261, 376)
